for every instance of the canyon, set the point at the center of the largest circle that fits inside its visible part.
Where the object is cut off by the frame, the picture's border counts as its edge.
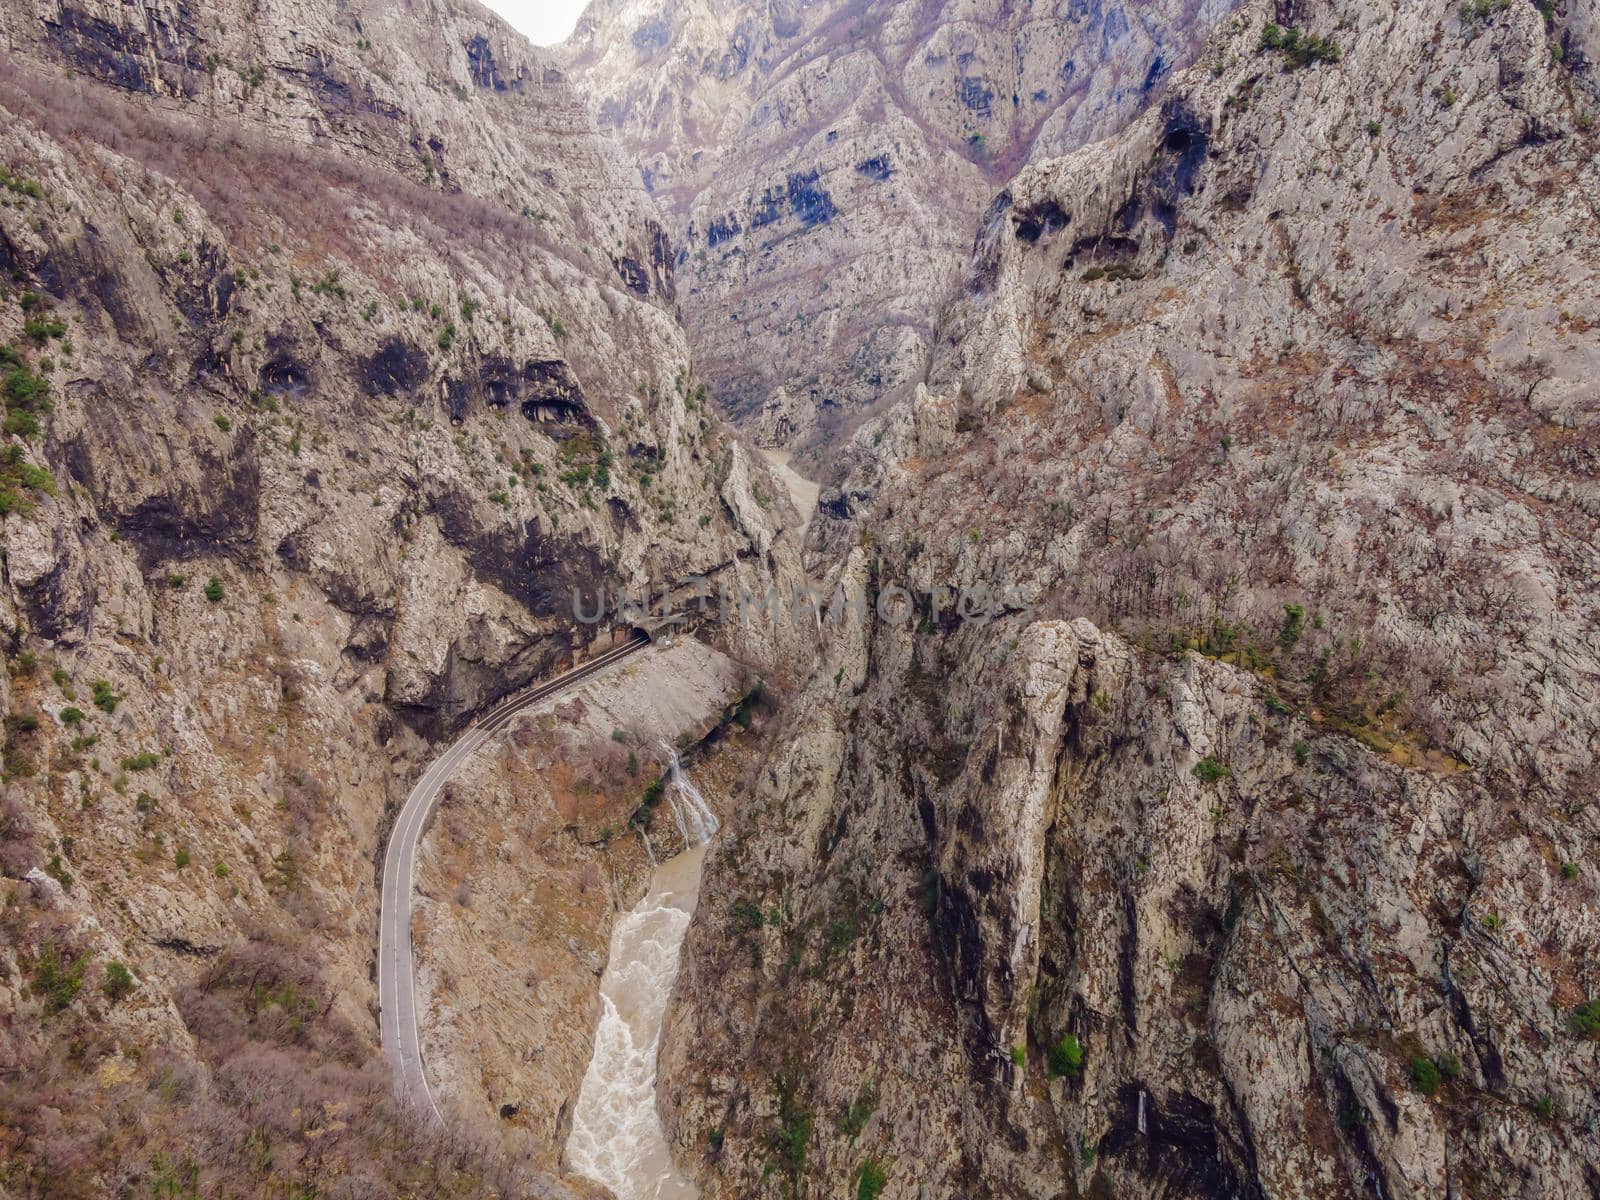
(1239, 359)
(1249, 851)
(823, 166)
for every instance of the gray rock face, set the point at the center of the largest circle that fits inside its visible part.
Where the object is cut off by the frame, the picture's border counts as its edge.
(1270, 423)
(823, 165)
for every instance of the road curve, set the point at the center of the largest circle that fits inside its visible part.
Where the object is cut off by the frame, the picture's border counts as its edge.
(397, 1004)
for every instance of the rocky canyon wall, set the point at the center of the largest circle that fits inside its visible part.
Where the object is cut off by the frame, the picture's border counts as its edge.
(824, 165)
(338, 352)
(1249, 850)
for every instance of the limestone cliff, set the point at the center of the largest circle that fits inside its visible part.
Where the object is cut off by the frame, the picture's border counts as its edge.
(824, 164)
(338, 354)
(1250, 849)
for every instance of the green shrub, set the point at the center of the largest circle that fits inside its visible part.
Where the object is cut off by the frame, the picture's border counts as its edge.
(1301, 50)
(1569, 871)
(748, 916)
(105, 699)
(24, 389)
(223, 423)
(329, 285)
(1066, 1058)
(141, 762)
(1209, 770)
(71, 715)
(1474, 12)
(213, 589)
(643, 815)
(181, 1180)
(871, 1179)
(1546, 1108)
(42, 329)
(1425, 1075)
(180, 857)
(1449, 1065)
(119, 982)
(36, 480)
(792, 1140)
(27, 399)
(1586, 1019)
(57, 870)
(860, 1111)
(1294, 618)
(19, 185)
(1019, 1056)
(56, 982)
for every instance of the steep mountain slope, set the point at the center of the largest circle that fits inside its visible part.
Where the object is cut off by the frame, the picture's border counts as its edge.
(338, 352)
(1250, 849)
(825, 163)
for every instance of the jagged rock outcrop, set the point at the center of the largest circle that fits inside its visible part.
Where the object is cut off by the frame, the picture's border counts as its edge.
(824, 165)
(1249, 847)
(314, 425)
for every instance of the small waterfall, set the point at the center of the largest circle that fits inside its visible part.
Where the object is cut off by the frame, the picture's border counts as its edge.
(649, 850)
(616, 1137)
(1142, 1127)
(695, 819)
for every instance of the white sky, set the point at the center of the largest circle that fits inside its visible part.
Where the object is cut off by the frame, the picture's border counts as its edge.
(546, 22)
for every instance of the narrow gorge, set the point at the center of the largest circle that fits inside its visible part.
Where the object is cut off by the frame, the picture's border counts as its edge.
(903, 600)
(616, 1137)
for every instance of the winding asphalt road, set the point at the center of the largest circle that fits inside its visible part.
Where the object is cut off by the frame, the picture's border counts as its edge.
(397, 1002)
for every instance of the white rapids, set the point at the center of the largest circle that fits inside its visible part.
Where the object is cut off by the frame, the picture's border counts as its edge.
(696, 821)
(616, 1137)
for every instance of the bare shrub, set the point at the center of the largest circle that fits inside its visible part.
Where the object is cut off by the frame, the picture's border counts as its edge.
(284, 1097)
(240, 171)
